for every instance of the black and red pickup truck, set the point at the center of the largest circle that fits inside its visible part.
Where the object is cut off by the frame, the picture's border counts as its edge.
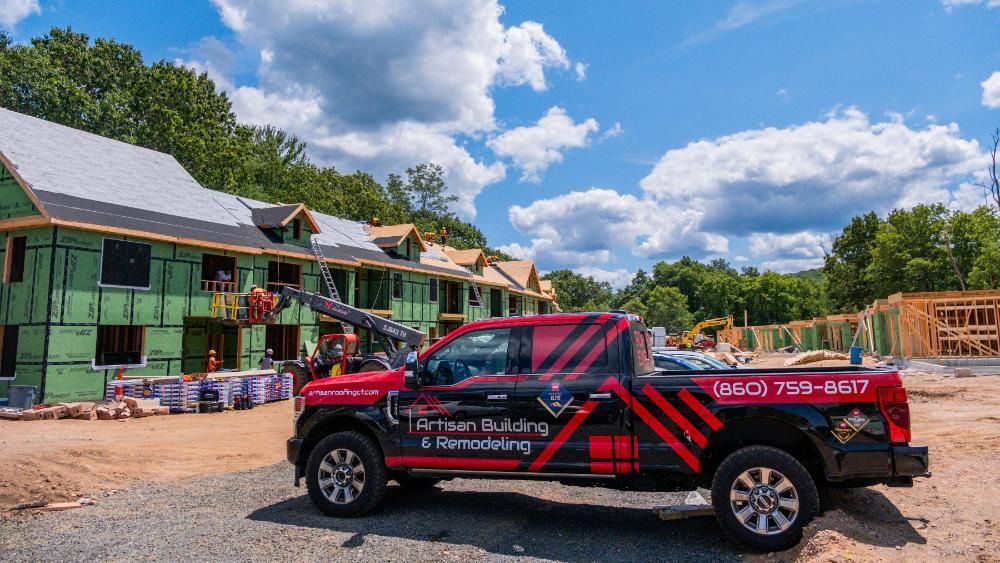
(575, 398)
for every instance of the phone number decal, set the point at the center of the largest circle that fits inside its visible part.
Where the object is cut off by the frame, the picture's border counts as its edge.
(824, 388)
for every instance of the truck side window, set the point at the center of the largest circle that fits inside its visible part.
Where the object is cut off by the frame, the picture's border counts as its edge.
(577, 348)
(483, 352)
(642, 349)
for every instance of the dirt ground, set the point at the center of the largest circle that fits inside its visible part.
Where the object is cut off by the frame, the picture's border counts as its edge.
(952, 515)
(60, 460)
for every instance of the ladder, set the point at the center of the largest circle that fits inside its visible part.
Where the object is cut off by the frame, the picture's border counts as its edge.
(475, 288)
(325, 271)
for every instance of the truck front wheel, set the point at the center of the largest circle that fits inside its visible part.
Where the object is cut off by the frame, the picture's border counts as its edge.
(763, 497)
(346, 475)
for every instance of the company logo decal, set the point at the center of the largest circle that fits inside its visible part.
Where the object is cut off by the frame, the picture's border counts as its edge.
(555, 399)
(849, 426)
(426, 405)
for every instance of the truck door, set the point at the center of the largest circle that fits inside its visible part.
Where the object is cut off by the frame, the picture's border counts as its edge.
(565, 391)
(459, 417)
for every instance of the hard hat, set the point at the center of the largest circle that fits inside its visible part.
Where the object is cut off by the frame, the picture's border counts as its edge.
(211, 352)
(269, 351)
(253, 286)
(338, 348)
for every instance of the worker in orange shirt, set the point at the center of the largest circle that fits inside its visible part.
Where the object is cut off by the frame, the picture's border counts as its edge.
(258, 302)
(212, 364)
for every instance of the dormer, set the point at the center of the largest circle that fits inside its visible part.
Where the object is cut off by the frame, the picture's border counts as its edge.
(522, 272)
(399, 241)
(473, 259)
(290, 224)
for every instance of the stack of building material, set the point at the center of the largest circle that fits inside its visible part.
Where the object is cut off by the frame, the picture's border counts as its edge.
(815, 356)
(182, 396)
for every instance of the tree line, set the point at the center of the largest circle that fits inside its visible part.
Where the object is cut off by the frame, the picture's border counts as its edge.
(926, 248)
(105, 87)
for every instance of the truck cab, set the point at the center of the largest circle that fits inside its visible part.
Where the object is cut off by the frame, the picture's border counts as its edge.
(576, 398)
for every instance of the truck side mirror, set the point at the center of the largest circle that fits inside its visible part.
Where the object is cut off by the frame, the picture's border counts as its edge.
(411, 373)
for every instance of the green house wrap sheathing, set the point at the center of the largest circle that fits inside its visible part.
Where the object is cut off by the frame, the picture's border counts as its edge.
(14, 203)
(59, 305)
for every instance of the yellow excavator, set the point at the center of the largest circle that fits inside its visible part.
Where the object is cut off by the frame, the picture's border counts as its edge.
(690, 338)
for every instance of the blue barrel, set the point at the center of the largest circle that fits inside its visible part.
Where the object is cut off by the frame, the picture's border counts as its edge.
(855, 355)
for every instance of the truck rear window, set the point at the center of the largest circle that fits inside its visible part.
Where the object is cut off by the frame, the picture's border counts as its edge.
(577, 348)
(642, 349)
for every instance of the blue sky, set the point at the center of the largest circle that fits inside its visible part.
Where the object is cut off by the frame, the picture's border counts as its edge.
(607, 136)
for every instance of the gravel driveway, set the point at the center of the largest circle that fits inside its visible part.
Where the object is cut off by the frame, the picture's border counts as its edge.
(258, 515)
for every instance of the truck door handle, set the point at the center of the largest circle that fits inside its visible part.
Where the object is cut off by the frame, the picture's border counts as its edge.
(497, 397)
(600, 396)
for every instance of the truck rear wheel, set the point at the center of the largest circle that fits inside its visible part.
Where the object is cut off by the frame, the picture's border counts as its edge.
(763, 498)
(346, 475)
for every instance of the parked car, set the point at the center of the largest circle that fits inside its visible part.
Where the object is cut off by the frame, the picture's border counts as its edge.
(698, 358)
(664, 362)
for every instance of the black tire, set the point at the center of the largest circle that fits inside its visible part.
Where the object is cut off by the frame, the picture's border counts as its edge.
(372, 488)
(768, 506)
(415, 483)
(300, 376)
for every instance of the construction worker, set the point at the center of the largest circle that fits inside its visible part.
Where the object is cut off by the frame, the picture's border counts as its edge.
(258, 302)
(337, 355)
(212, 364)
(267, 362)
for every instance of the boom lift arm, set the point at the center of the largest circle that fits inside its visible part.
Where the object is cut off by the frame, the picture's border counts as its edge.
(385, 331)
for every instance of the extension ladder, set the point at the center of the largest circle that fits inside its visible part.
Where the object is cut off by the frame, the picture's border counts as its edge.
(325, 271)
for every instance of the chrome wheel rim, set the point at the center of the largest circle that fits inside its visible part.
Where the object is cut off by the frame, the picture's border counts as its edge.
(764, 501)
(341, 476)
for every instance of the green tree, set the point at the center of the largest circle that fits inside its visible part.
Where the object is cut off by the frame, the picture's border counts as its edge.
(846, 267)
(663, 306)
(427, 190)
(579, 293)
(637, 288)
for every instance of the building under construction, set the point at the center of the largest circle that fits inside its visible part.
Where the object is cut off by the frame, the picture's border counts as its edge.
(949, 324)
(115, 258)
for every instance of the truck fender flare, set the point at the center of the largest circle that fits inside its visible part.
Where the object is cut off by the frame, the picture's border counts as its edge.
(325, 420)
(795, 427)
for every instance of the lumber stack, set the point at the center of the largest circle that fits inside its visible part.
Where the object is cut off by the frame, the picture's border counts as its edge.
(815, 356)
(86, 410)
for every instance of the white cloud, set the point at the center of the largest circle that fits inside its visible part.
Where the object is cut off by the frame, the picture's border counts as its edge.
(780, 188)
(381, 85)
(613, 131)
(13, 11)
(588, 228)
(580, 68)
(212, 57)
(804, 244)
(618, 278)
(534, 148)
(950, 4)
(811, 176)
(741, 15)
(527, 51)
(789, 265)
(790, 252)
(991, 90)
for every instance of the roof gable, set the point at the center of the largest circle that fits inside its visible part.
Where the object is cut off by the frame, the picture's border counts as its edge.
(391, 236)
(470, 258)
(521, 271)
(279, 216)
